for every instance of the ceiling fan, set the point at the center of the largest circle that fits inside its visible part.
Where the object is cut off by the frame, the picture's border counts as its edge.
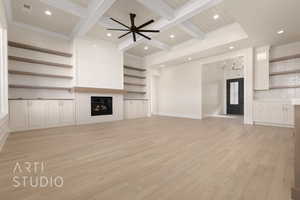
(133, 28)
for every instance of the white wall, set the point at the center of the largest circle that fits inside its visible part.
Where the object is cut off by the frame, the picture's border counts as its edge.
(99, 64)
(3, 78)
(180, 91)
(180, 86)
(213, 90)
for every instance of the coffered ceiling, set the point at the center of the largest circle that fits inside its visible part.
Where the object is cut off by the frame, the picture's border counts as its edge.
(180, 21)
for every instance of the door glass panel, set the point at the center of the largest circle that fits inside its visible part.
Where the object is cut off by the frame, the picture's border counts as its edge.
(234, 93)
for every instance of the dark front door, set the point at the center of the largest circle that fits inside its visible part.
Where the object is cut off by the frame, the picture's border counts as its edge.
(235, 96)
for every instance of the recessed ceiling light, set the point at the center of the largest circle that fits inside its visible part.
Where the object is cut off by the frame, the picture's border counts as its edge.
(146, 48)
(189, 58)
(108, 35)
(231, 47)
(216, 16)
(172, 36)
(280, 32)
(48, 12)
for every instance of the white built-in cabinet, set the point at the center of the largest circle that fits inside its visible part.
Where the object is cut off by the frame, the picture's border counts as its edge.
(274, 113)
(135, 109)
(36, 114)
(261, 68)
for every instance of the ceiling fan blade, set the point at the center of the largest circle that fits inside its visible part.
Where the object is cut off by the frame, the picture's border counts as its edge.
(145, 24)
(134, 36)
(145, 36)
(124, 35)
(149, 31)
(132, 17)
(116, 29)
(119, 23)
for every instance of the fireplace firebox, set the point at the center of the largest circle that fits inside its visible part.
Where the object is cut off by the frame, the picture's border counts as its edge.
(101, 106)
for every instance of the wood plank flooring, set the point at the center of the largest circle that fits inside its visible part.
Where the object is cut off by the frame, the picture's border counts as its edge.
(157, 158)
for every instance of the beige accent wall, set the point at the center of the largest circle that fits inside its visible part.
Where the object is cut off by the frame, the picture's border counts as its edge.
(4, 131)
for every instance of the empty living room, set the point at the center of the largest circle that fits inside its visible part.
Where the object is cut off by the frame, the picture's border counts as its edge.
(149, 100)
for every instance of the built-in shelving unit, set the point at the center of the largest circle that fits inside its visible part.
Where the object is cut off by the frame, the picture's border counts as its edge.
(41, 62)
(135, 83)
(39, 87)
(50, 69)
(39, 74)
(287, 72)
(285, 58)
(38, 49)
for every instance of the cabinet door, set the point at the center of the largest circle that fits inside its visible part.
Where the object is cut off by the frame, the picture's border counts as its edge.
(261, 68)
(37, 113)
(67, 112)
(18, 115)
(127, 109)
(53, 113)
(132, 109)
(288, 114)
(145, 108)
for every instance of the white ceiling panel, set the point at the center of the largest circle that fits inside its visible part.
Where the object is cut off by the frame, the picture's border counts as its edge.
(206, 22)
(82, 3)
(59, 21)
(122, 8)
(140, 51)
(180, 36)
(176, 3)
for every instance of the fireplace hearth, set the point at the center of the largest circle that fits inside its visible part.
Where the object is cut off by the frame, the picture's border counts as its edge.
(101, 106)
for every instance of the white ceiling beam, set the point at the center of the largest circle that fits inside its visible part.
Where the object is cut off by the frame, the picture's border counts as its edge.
(192, 30)
(187, 11)
(159, 7)
(158, 44)
(96, 10)
(67, 6)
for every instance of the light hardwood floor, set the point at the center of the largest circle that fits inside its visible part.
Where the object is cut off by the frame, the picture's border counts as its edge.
(157, 158)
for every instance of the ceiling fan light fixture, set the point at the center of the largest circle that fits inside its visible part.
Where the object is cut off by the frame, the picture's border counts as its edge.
(135, 30)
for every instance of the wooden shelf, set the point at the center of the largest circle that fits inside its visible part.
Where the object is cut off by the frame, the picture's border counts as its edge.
(39, 87)
(38, 49)
(285, 72)
(285, 58)
(135, 99)
(99, 90)
(135, 68)
(285, 87)
(38, 74)
(135, 76)
(136, 92)
(33, 61)
(16, 99)
(135, 84)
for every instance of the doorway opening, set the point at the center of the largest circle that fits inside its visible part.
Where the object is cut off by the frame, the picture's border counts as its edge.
(223, 88)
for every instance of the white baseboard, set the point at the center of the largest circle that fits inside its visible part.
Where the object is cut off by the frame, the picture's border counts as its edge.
(179, 116)
(274, 124)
